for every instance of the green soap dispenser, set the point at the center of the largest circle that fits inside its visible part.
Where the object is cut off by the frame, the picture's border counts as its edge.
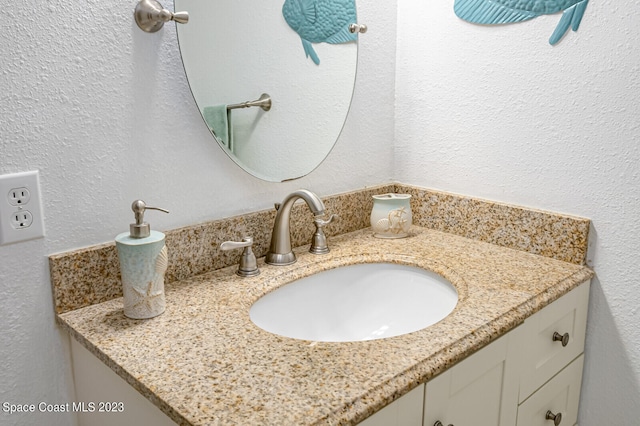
(143, 260)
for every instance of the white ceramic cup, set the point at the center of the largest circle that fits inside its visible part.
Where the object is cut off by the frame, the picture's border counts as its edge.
(391, 215)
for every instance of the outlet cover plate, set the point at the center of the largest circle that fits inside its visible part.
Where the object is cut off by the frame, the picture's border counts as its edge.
(20, 197)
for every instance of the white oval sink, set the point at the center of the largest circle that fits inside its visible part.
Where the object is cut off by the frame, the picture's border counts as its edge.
(356, 302)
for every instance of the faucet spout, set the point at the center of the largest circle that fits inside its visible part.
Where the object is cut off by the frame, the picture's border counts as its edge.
(280, 251)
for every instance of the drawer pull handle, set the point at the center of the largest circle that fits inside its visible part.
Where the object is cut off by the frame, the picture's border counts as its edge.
(564, 338)
(439, 423)
(557, 418)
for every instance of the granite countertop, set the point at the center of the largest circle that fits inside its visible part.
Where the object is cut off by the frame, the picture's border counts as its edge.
(204, 362)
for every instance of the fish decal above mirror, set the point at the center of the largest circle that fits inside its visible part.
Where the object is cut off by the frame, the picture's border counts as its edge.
(510, 11)
(320, 21)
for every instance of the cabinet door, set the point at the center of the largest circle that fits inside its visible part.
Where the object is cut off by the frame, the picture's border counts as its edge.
(405, 411)
(560, 396)
(479, 391)
(542, 356)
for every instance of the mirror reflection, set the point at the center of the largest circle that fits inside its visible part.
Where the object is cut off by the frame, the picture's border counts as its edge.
(235, 52)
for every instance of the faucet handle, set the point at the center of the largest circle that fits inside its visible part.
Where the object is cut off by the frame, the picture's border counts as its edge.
(319, 240)
(248, 264)
(322, 223)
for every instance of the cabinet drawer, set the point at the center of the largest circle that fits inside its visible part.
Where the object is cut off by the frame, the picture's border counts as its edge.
(560, 396)
(542, 356)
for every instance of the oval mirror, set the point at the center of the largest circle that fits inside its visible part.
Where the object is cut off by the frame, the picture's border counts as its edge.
(234, 51)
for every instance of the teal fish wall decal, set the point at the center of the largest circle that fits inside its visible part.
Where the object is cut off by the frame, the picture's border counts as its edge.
(510, 11)
(320, 21)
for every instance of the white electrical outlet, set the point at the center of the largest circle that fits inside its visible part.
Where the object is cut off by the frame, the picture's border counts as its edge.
(22, 219)
(21, 215)
(18, 196)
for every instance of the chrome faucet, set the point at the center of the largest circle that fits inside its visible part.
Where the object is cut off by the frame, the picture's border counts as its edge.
(280, 252)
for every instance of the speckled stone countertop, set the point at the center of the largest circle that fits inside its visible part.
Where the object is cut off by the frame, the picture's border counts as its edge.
(204, 362)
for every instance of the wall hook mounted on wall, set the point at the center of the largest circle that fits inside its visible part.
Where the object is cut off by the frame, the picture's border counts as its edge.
(151, 16)
(358, 28)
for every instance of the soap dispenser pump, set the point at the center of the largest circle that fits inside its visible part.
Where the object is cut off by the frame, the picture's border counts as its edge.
(143, 260)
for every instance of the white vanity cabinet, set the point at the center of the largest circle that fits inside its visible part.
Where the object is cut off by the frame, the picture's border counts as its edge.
(531, 376)
(107, 399)
(405, 411)
(550, 355)
(481, 390)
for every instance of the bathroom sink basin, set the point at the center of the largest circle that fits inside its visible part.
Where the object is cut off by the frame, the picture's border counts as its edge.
(356, 302)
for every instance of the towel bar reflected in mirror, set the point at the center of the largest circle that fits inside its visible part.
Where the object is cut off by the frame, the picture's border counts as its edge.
(264, 102)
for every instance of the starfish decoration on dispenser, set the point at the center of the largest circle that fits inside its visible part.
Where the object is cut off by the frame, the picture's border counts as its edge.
(146, 298)
(150, 301)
